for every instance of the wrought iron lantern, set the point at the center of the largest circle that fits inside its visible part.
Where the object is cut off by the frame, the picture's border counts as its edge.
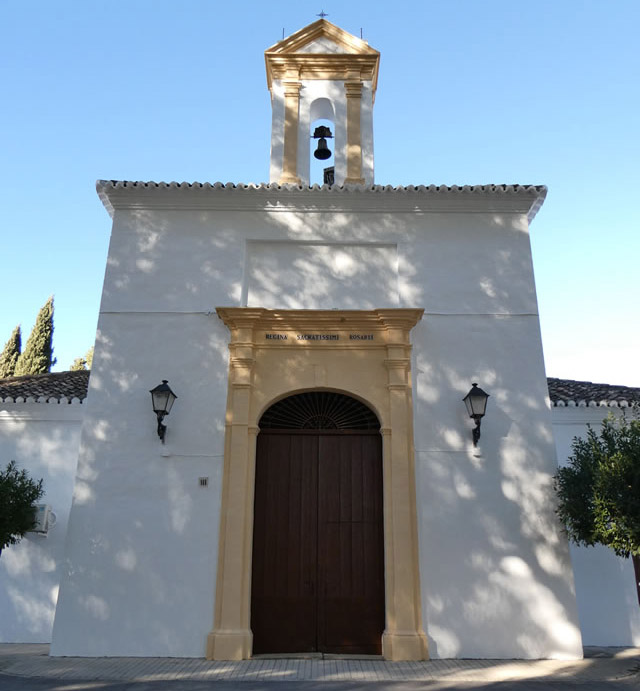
(162, 398)
(476, 402)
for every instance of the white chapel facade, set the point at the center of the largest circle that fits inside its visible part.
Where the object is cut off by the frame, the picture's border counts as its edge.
(318, 489)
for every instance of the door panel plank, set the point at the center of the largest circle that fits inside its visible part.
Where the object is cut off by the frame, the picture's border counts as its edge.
(350, 545)
(283, 587)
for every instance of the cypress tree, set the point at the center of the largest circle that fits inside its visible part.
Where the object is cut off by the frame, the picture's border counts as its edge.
(37, 356)
(10, 354)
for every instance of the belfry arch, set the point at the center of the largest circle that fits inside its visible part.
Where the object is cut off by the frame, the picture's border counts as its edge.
(321, 112)
(365, 354)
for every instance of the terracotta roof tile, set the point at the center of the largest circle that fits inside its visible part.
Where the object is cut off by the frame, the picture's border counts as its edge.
(569, 392)
(54, 385)
(336, 189)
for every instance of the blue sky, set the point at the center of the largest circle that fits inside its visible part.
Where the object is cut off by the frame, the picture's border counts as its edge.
(470, 92)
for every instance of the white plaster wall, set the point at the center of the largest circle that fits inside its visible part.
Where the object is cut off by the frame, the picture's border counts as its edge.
(142, 541)
(605, 584)
(496, 574)
(497, 579)
(42, 438)
(191, 261)
(143, 536)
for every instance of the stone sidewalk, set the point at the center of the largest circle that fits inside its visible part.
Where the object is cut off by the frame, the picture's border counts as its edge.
(599, 665)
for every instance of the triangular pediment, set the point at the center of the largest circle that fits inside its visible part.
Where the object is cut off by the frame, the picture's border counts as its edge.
(322, 37)
(322, 51)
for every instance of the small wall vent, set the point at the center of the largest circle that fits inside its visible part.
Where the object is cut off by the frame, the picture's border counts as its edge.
(203, 481)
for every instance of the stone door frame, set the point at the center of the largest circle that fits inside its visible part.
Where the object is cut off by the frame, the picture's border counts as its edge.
(362, 353)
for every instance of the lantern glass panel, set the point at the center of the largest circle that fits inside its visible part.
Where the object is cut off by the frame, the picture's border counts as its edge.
(170, 399)
(467, 402)
(162, 398)
(476, 402)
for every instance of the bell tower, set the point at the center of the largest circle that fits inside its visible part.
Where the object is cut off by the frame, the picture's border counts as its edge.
(322, 73)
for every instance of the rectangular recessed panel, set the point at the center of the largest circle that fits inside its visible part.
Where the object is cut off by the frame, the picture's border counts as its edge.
(300, 275)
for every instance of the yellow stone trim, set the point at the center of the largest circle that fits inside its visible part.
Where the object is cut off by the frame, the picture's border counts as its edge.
(353, 91)
(382, 380)
(385, 320)
(329, 67)
(286, 56)
(322, 29)
(291, 118)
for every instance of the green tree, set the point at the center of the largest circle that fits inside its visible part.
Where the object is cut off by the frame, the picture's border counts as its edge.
(18, 494)
(83, 363)
(89, 357)
(10, 353)
(599, 489)
(37, 356)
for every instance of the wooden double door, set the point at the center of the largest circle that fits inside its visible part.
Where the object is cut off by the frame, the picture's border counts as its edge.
(318, 550)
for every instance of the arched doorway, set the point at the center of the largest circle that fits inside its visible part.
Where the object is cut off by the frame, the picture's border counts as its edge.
(318, 546)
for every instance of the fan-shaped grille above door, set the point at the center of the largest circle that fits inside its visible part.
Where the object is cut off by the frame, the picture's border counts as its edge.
(319, 410)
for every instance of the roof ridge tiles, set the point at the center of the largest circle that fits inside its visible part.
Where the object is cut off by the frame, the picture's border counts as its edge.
(572, 393)
(419, 188)
(46, 388)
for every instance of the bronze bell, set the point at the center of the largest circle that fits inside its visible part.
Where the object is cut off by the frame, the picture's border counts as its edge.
(322, 152)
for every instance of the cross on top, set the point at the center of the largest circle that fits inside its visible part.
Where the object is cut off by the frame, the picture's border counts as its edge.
(322, 14)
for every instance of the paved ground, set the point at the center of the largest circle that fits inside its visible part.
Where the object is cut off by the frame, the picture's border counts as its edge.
(29, 666)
